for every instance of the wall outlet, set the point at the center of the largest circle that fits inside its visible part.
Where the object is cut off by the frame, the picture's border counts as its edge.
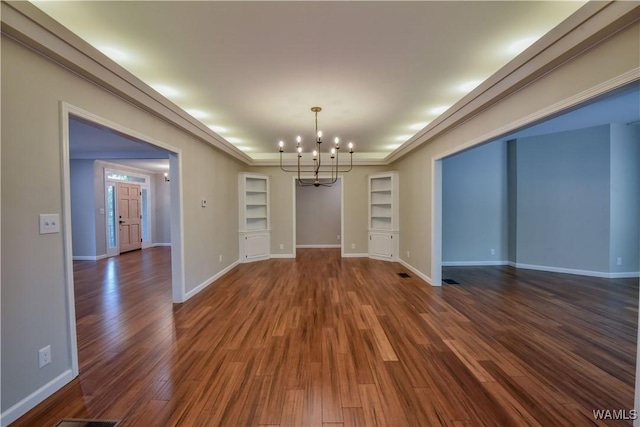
(619, 261)
(281, 246)
(203, 203)
(44, 356)
(219, 258)
(408, 254)
(49, 223)
(353, 246)
(493, 251)
(338, 237)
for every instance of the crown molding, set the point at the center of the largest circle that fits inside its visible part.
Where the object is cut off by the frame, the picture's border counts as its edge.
(28, 25)
(590, 25)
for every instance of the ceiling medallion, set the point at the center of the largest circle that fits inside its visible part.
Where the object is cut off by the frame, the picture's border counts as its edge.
(317, 167)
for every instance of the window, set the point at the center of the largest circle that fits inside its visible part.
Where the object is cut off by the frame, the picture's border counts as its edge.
(124, 177)
(145, 214)
(111, 216)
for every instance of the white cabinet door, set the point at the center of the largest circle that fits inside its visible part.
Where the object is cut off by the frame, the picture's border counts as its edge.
(381, 245)
(256, 246)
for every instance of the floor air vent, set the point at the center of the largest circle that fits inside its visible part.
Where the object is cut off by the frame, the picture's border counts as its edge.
(450, 282)
(72, 422)
(403, 275)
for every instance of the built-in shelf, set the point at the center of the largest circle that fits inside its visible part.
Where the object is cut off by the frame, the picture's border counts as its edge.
(383, 216)
(253, 197)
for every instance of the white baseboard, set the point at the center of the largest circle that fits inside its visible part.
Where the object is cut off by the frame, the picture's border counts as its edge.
(31, 401)
(317, 246)
(209, 281)
(416, 272)
(89, 258)
(624, 275)
(153, 245)
(282, 256)
(590, 273)
(355, 255)
(472, 263)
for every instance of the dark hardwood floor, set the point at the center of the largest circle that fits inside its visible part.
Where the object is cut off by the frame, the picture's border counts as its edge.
(324, 341)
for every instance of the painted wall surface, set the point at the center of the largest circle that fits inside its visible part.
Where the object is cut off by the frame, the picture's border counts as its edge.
(162, 217)
(609, 59)
(474, 205)
(34, 311)
(625, 198)
(563, 200)
(82, 208)
(318, 215)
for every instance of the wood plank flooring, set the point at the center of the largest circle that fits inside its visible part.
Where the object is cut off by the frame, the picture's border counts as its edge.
(325, 341)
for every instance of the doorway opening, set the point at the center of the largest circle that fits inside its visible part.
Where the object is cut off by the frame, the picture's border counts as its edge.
(318, 214)
(97, 212)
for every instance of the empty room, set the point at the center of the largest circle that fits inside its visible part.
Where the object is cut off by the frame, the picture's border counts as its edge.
(373, 213)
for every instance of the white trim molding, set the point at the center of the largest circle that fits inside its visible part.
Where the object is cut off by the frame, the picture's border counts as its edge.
(417, 272)
(89, 258)
(283, 256)
(472, 263)
(318, 246)
(38, 396)
(210, 280)
(355, 255)
(590, 273)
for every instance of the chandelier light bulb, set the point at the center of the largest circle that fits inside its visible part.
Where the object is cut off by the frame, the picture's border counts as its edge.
(316, 167)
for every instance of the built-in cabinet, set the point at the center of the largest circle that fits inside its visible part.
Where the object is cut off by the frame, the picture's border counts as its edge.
(255, 233)
(384, 229)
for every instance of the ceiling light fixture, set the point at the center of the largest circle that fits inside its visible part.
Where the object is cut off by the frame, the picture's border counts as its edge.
(317, 160)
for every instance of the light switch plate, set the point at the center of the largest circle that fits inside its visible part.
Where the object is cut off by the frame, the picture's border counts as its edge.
(49, 223)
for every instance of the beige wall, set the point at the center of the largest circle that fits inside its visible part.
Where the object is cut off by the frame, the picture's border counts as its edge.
(318, 215)
(34, 312)
(608, 60)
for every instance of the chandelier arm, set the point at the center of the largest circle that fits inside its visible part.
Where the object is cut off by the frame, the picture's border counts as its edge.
(282, 167)
(332, 169)
(350, 165)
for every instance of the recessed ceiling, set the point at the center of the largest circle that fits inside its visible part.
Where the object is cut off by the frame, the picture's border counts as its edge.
(251, 71)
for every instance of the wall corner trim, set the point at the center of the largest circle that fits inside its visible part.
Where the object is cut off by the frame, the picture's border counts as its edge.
(417, 272)
(29, 402)
(283, 256)
(355, 255)
(209, 281)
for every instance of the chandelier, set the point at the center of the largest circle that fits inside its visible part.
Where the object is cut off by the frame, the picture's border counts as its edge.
(317, 167)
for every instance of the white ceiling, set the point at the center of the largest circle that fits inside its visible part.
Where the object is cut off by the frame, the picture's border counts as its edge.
(251, 71)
